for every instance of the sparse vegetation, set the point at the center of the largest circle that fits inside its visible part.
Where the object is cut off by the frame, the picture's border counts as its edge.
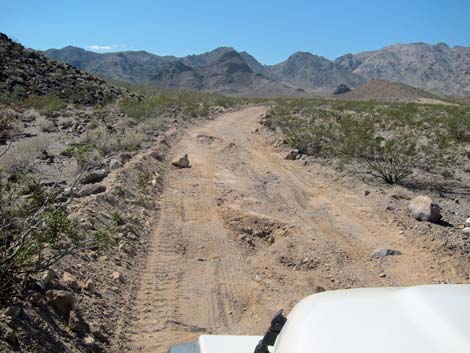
(151, 103)
(390, 141)
(21, 156)
(47, 105)
(35, 231)
(45, 125)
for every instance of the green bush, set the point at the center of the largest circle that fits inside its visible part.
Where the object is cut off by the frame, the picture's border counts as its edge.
(35, 232)
(46, 105)
(390, 140)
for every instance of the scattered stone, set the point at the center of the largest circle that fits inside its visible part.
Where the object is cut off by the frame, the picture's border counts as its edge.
(382, 275)
(424, 209)
(157, 154)
(466, 230)
(70, 281)
(467, 221)
(94, 176)
(381, 253)
(62, 301)
(90, 344)
(89, 286)
(366, 193)
(125, 156)
(48, 277)
(182, 161)
(115, 164)
(36, 299)
(91, 189)
(292, 155)
(117, 276)
(77, 324)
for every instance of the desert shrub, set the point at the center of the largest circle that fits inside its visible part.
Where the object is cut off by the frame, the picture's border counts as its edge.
(35, 232)
(390, 141)
(21, 156)
(46, 105)
(391, 160)
(83, 153)
(106, 141)
(8, 127)
(163, 103)
(45, 125)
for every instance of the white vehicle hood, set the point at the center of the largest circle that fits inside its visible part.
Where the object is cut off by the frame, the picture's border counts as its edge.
(423, 319)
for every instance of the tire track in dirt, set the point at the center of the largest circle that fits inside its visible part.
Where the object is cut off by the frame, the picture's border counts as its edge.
(201, 277)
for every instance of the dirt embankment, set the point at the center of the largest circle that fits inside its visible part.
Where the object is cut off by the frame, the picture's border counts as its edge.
(245, 232)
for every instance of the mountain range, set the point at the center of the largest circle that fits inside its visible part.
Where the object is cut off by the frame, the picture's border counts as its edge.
(436, 68)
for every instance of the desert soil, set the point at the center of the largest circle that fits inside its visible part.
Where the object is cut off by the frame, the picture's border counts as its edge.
(245, 232)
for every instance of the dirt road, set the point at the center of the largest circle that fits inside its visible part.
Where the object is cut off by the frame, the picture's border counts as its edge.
(245, 232)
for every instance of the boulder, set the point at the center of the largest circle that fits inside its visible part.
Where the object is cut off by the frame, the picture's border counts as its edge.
(89, 286)
(117, 276)
(466, 230)
(70, 281)
(125, 156)
(62, 301)
(182, 161)
(292, 155)
(91, 189)
(94, 176)
(381, 253)
(115, 164)
(424, 209)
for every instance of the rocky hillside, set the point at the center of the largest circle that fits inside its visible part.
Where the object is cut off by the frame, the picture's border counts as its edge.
(435, 68)
(25, 73)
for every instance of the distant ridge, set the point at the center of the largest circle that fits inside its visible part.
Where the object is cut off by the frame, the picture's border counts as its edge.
(438, 68)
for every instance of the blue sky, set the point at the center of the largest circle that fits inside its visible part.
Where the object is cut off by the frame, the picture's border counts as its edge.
(269, 30)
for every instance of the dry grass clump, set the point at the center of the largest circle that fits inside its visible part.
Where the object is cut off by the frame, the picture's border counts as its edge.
(21, 156)
(45, 125)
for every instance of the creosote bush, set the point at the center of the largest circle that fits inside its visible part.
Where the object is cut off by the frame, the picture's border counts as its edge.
(389, 140)
(46, 105)
(35, 231)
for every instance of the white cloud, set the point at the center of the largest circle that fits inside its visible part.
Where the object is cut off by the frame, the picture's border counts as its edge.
(101, 47)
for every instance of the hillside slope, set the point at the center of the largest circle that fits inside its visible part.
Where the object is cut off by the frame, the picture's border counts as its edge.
(25, 72)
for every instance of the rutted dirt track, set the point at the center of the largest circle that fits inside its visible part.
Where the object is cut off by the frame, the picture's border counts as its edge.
(245, 232)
